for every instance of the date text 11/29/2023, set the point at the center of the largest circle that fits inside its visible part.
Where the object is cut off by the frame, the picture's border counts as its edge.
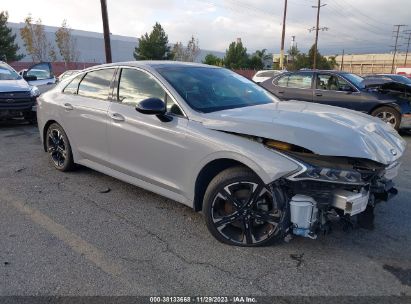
(201, 299)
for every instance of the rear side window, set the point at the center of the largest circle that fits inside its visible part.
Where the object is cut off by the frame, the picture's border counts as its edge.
(282, 81)
(96, 84)
(72, 87)
(300, 81)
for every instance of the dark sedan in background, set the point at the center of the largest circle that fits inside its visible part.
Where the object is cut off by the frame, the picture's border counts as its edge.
(390, 101)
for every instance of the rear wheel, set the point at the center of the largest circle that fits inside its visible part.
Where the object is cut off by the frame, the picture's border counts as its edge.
(389, 115)
(240, 210)
(58, 148)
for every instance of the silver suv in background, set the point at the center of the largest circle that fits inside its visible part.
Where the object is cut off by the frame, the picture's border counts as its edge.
(17, 97)
(204, 136)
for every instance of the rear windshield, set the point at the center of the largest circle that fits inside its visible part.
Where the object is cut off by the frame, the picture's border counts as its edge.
(7, 73)
(212, 89)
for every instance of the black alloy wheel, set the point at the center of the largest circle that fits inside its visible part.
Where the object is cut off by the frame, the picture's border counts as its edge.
(240, 210)
(58, 148)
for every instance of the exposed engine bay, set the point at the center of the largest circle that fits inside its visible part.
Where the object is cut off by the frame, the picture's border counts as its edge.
(327, 189)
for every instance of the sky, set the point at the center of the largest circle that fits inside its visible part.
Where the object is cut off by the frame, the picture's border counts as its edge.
(357, 26)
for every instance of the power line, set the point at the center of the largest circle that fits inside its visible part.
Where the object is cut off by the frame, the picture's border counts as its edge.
(408, 46)
(397, 33)
(283, 37)
(317, 28)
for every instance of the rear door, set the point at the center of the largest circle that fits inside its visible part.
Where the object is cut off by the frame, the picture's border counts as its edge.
(86, 113)
(294, 86)
(332, 89)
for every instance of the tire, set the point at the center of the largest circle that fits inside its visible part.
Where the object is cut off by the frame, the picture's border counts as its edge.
(234, 218)
(389, 115)
(58, 148)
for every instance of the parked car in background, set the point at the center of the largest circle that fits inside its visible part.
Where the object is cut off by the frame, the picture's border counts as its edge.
(390, 102)
(263, 75)
(17, 97)
(393, 77)
(67, 74)
(209, 138)
(44, 77)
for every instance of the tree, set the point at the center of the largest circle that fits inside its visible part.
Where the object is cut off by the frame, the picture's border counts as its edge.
(213, 60)
(257, 60)
(35, 41)
(178, 52)
(255, 63)
(236, 56)
(293, 53)
(189, 53)
(66, 43)
(153, 46)
(303, 60)
(8, 47)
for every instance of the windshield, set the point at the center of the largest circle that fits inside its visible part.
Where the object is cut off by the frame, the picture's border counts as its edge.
(210, 89)
(355, 79)
(7, 73)
(400, 78)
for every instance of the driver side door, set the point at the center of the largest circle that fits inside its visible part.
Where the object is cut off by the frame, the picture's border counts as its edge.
(333, 90)
(140, 145)
(43, 73)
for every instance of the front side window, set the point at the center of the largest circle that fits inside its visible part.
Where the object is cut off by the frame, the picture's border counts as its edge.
(96, 84)
(213, 89)
(300, 81)
(332, 83)
(135, 86)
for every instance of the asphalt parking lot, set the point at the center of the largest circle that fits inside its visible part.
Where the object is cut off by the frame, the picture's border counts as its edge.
(84, 233)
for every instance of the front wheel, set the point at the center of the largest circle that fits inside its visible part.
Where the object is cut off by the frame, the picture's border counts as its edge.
(389, 115)
(240, 210)
(58, 148)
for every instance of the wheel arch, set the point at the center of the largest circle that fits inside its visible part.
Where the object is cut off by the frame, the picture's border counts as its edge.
(44, 132)
(208, 172)
(381, 105)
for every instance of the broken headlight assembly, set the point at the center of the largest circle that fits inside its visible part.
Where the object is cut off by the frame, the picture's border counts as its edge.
(325, 174)
(317, 168)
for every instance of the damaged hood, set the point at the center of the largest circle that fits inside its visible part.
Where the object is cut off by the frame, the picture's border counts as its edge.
(386, 84)
(325, 130)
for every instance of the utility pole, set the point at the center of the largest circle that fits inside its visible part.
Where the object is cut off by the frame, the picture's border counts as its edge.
(106, 29)
(408, 46)
(397, 34)
(342, 61)
(317, 28)
(283, 37)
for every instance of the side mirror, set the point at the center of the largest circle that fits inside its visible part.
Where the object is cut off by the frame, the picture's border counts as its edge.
(29, 77)
(153, 106)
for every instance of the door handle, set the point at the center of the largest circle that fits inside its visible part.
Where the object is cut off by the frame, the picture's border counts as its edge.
(117, 117)
(318, 94)
(68, 107)
(280, 92)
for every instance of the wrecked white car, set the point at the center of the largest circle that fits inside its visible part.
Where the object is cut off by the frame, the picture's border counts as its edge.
(258, 168)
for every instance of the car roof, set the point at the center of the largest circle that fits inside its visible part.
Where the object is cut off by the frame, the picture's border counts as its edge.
(321, 71)
(154, 64)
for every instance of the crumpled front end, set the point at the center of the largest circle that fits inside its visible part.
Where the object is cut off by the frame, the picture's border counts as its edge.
(326, 189)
